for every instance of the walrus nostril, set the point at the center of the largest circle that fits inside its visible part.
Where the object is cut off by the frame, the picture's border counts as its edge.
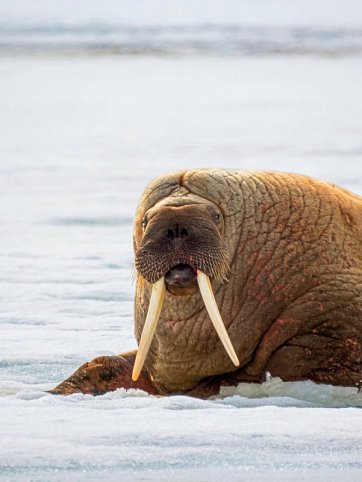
(180, 275)
(176, 232)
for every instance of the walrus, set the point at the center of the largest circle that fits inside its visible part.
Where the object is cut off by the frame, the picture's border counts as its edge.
(240, 274)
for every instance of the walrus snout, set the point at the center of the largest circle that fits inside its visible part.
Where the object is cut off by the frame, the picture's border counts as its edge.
(181, 276)
(185, 235)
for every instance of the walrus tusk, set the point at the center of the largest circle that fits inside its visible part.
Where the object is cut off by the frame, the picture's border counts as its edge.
(214, 313)
(153, 314)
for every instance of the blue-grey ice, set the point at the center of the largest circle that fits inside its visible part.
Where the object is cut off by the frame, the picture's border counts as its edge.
(95, 100)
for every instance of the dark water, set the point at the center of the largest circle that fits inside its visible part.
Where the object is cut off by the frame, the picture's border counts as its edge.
(165, 27)
(232, 39)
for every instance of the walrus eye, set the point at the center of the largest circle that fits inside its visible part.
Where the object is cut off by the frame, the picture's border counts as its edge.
(144, 221)
(216, 216)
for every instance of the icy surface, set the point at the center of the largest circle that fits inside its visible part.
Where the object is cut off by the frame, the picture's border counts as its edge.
(80, 137)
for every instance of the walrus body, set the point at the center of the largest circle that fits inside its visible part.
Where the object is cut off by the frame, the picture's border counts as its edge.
(283, 253)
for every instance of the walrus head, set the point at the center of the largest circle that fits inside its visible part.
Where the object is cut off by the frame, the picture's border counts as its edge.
(180, 247)
(178, 241)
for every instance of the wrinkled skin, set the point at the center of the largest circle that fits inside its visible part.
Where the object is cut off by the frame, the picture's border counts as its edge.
(289, 286)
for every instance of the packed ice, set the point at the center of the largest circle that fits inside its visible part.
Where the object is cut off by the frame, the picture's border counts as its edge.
(82, 132)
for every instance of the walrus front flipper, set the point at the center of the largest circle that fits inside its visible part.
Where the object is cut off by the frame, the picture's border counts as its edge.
(105, 374)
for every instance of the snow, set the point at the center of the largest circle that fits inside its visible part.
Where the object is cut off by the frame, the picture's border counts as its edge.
(81, 135)
(138, 437)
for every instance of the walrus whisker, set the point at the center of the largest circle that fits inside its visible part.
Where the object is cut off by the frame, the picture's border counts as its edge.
(211, 306)
(153, 314)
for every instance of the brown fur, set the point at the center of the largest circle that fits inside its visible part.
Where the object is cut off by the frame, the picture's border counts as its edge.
(292, 302)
